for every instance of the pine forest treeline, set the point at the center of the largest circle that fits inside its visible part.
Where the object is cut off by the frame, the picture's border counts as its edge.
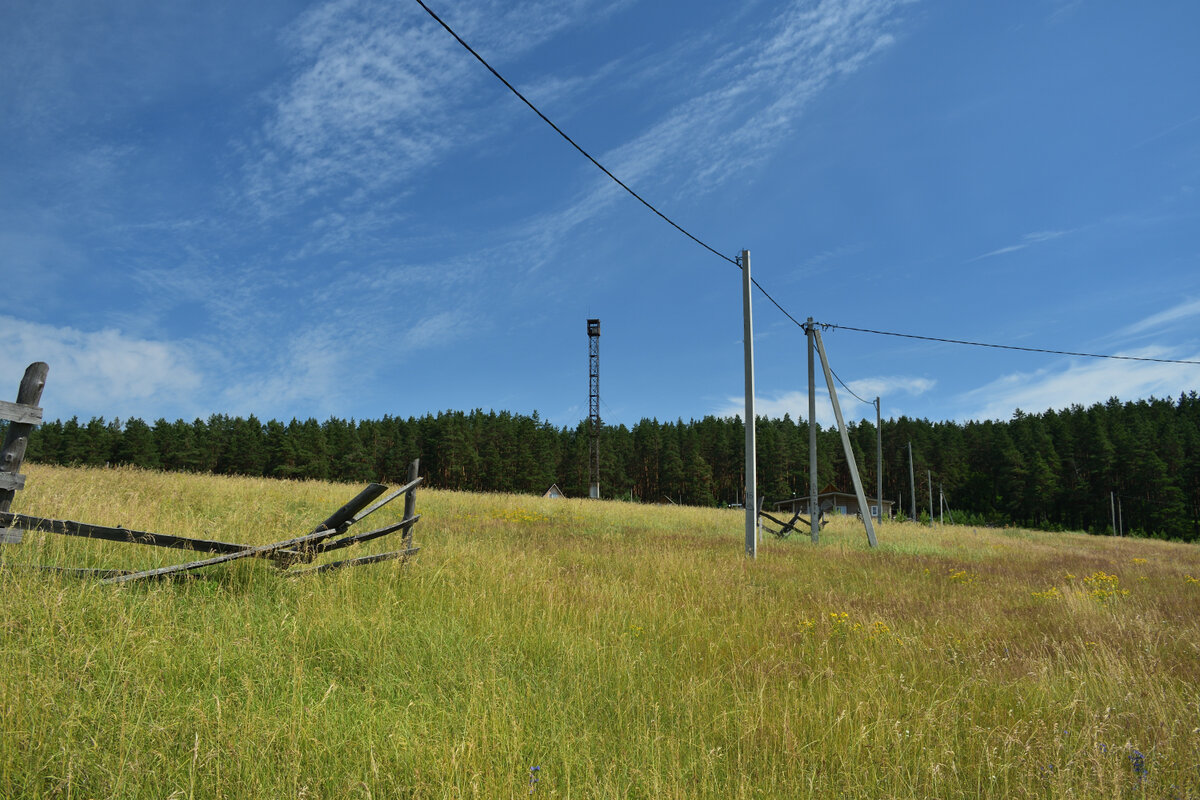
(1054, 470)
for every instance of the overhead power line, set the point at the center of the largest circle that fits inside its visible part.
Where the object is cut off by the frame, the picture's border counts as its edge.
(737, 261)
(829, 325)
(572, 142)
(732, 260)
(851, 391)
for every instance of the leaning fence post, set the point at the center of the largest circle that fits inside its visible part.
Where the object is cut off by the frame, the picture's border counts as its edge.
(410, 500)
(23, 416)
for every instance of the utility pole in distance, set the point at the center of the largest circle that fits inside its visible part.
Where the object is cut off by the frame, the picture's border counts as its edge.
(912, 485)
(878, 461)
(929, 480)
(751, 492)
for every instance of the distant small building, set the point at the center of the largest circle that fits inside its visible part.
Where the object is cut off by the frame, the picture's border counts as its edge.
(554, 491)
(832, 501)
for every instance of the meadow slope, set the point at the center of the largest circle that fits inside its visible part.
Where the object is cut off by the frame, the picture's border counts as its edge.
(625, 651)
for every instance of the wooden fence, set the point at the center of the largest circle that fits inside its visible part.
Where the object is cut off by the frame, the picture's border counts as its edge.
(329, 536)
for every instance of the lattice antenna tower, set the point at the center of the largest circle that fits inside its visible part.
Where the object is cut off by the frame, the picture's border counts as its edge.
(593, 328)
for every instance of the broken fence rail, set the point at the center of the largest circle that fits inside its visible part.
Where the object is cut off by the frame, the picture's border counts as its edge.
(299, 549)
(787, 528)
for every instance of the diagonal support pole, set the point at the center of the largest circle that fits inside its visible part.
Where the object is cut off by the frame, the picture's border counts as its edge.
(850, 462)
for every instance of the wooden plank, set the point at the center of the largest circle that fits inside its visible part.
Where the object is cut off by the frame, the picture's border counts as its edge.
(412, 484)
(300, 542)
(79, 572)
(20, 413)
(17, 438)
(345, 514)
(326, 546)
(11, 535)
(129, 536)
(86, 530)
(354, 562)
(12, 481)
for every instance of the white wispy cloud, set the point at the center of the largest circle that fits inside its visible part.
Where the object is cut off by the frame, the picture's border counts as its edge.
(100, 373)
(753, 98)
(1082, 382)
(442, 328)
(310, 377)
(795, 403)
(1167, 131)
(381, 94)
(1177, 313)
(1028, 240)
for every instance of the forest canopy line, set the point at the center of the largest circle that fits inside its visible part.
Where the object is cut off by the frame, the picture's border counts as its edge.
(1053, 470)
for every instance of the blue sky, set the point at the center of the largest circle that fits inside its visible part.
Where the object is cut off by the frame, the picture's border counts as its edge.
(316, 209)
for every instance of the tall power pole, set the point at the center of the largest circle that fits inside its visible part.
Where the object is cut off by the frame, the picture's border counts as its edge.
(593, 328)
(879, 460)
(814, 506)
(751, 491)
(929, 480)
(912, 485)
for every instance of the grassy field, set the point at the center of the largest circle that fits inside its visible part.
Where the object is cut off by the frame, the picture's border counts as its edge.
(622, 651)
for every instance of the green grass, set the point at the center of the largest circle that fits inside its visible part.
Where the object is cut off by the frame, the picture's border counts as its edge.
(628, 651)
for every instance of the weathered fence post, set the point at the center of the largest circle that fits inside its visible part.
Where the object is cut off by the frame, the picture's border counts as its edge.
(23, 416)
(410, 500)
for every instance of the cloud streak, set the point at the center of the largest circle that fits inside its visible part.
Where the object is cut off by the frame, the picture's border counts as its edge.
(1028, 240)
(1080, 382)
(795, 404)
(756, 97)
(380, 94)
(1177, 313)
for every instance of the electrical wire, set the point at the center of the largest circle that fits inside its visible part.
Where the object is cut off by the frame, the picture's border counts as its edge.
(737, 261)
(829, 325)
(573, 143)
(851, 391)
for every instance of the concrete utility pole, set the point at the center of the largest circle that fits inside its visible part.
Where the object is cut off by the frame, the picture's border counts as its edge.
(878, 462)
(751, 476)
(814, 508)
(1112, 502)
(941, 506)
(860, 495)
(912, 484)
(593, 329)
(929, 480)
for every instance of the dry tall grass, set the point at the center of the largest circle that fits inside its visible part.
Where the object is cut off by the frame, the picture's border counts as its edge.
(626, 651)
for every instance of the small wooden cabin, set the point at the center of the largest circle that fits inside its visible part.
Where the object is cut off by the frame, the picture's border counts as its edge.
(831, 500)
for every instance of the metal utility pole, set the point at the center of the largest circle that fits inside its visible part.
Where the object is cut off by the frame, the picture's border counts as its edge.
(813, 504)
(593, 329)
(878, 462)
(850, 462)
(751, 476)
(912, 484)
